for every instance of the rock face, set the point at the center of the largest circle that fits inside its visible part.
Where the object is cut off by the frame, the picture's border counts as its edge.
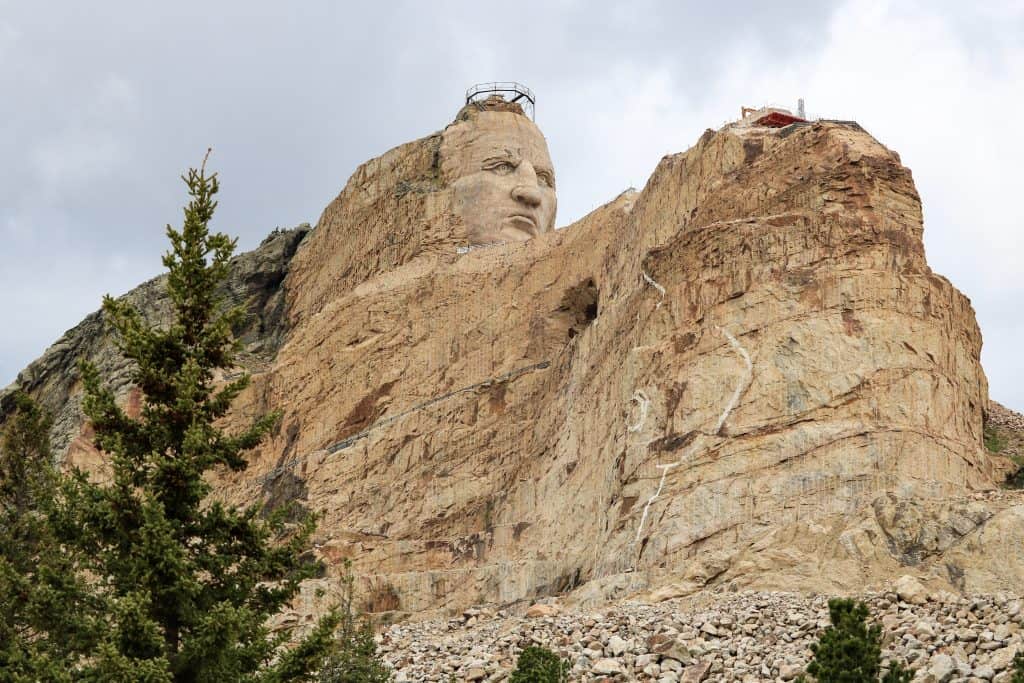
(745, 373)
(255, 282)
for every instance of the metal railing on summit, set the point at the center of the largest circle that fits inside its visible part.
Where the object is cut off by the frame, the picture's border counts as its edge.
(510, 90)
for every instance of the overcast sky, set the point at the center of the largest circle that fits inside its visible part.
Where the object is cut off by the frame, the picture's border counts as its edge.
(104, 104)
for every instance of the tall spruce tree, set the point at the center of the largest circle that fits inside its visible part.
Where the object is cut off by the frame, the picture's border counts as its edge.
(47, 613)
(191, 582)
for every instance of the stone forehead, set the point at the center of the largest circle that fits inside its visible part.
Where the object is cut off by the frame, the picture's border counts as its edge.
(466, 144)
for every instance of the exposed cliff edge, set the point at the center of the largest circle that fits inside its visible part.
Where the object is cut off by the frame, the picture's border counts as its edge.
(256, 282)
(746, 373)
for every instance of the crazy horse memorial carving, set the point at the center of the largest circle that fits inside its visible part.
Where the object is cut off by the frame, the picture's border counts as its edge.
(500, 172)
(733, 376)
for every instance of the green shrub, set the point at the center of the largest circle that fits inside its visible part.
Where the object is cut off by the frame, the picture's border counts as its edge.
(539, 665)
(850, 650)
(1018, 668)
(897, 674)
(354, 657)
(994, 441)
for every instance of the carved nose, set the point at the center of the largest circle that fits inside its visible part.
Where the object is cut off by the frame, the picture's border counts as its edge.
(526, 191)
(527, 195)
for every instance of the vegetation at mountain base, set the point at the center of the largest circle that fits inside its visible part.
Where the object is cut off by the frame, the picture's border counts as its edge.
(354, 658)
(850, 650)
(995, 442)
(539, 665)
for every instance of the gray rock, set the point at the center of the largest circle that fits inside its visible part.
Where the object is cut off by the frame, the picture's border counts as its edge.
(669, 664)
(607, 667)
(788, 672)
(942, 667)
(1003, 659)
(677, 650)
(910, 590)
(695, 672)
(616, 646)
(984, 672)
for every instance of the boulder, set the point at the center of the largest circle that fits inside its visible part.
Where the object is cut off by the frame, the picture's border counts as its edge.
(542, 610)
(607, 667)
(695, 672)
(910, 590)
(941, 667)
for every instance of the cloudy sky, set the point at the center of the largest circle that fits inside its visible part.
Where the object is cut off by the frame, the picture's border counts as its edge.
(104, 104)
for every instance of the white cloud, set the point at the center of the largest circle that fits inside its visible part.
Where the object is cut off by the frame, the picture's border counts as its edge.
(75, 157)
(9, 37)
(90, 142)
(293, 100)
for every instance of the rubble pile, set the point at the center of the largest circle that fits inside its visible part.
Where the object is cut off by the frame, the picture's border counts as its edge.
(747, 636)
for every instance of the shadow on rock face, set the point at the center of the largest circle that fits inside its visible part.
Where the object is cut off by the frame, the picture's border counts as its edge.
(579, 307)
(286, 489)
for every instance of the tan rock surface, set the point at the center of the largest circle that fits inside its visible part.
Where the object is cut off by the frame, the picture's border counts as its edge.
(745, 373)
(753, 342)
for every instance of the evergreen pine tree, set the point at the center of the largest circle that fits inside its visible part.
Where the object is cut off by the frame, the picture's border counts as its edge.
(850, 650)
(539, 665)
(354, 659)
(191, 582)
(47, 615)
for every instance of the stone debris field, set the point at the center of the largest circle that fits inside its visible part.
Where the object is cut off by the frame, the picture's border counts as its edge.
(747, 636)
(1001, 416)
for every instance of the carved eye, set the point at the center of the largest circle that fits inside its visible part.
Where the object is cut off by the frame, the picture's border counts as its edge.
(546, 178)
(501, 167)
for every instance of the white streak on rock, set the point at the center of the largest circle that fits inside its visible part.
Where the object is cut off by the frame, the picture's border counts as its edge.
(748, 375)
(661, 290)
(664, 472)
(645, 403)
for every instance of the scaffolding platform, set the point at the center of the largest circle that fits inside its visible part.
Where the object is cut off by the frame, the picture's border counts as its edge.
(510, 91)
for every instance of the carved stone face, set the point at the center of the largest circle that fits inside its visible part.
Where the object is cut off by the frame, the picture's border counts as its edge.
(501, 176)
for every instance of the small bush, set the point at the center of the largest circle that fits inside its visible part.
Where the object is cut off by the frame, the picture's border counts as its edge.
(850, 650)
(994, 441)
(354, 656)
(540, 665)
(1018, 668)
(897, 674)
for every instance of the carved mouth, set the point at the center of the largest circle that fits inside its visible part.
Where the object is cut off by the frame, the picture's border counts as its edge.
(524, 222)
